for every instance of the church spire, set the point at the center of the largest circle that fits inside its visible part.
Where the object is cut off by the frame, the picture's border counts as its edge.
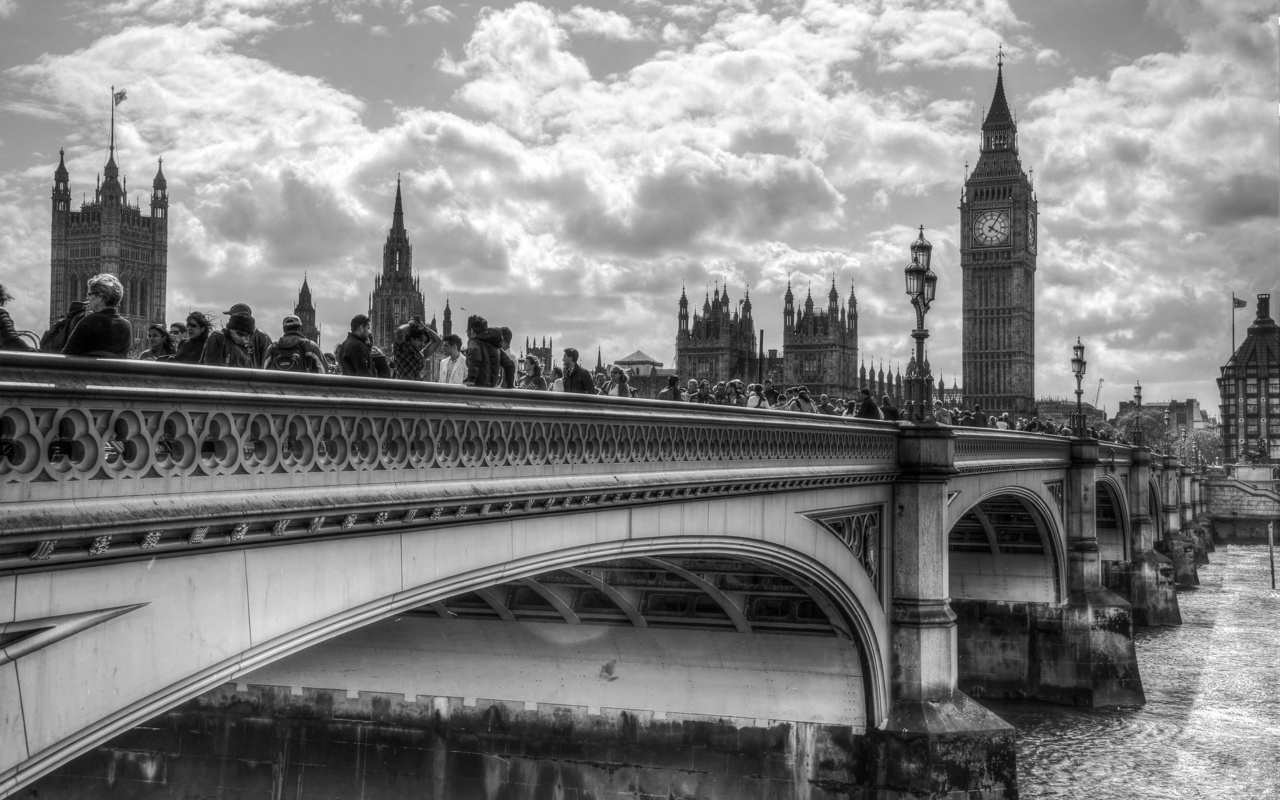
(397, 217)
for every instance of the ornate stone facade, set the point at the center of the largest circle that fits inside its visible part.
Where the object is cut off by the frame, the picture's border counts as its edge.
(1250, 392)
(998, 259)
(396, 296)
(820, 347)
(109, 235)
(305, 310)
(718, 344)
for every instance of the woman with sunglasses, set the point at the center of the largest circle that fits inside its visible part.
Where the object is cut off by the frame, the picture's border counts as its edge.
(618, 385)
(198, 327)
(102, 333)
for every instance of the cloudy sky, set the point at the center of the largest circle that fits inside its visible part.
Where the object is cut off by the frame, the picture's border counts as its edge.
(568, 166)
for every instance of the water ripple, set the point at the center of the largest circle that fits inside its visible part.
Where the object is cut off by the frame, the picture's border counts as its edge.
(1211, 727)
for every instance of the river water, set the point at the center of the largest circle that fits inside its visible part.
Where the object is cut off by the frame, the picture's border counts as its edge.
(1211, 725)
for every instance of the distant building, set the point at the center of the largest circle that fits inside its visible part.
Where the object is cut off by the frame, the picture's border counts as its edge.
(1249, 387)
(1185, 416)
(998, 259)
(820, 347)
(305, 310)
(545, 353)
(397, 296)
(110, 235)
(639, 364)
(720, 343)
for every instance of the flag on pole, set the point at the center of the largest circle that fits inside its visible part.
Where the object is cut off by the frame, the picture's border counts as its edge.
(1236, 302)
(119, 97)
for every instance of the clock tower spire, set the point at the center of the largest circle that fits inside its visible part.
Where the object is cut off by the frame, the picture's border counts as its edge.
(998, 261)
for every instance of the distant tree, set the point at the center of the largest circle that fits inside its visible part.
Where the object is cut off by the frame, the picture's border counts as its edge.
(1154, 433)
(1208, 443)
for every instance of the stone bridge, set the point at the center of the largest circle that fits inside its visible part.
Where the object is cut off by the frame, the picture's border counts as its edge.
(827, 593)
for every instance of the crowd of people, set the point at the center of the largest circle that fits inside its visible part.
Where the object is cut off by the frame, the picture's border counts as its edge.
(94, 327)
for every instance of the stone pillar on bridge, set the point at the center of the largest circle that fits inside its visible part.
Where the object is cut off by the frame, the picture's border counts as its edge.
(1087, 655)
(938, 742)
(1147, 580)
(1181, 538)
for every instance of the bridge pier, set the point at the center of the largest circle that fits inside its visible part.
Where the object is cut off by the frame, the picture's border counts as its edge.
(1078, 653)
(1147, 580)
(937, 742)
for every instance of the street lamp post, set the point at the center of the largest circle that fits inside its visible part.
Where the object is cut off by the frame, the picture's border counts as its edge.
(1167, 438)
(1137, 414)
(921, 286)
(1078, 365)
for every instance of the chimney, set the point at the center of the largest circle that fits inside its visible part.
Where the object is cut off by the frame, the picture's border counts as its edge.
(1264, 306)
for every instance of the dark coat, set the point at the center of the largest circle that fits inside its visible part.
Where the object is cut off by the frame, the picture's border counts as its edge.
(508, 370)
(867, 409)
(191, 350)
(9, 338)
(354, 357)
(220, 351)
(890, 412)
(579, 381)
(484, 359)
(104, 334)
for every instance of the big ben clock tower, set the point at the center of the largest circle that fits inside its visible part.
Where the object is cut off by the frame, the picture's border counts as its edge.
(998, 259)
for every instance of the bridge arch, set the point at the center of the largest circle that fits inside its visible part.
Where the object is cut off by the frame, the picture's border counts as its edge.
(1111, 520)
(1155, 502)
(1008, 544)
(842, 602)
(277, 601)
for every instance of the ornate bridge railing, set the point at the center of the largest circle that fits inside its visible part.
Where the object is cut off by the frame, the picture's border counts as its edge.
(101, 457)
(982, 450)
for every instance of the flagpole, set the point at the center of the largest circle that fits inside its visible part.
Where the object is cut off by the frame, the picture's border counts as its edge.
(113, 149)
(1233, 324)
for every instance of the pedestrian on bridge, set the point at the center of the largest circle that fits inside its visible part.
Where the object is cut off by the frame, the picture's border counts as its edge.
(192, 347)
(9, 337)
(576, 379)
(354, 357)
(102, 332)
(294, 352)
(233, 346)
(159, 344)
(454, 368)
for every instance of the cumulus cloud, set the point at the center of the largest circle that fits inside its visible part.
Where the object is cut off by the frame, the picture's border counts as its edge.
(587, 21)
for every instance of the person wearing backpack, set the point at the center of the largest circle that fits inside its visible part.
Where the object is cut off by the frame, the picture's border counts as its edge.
(56, 337)
(294, 352)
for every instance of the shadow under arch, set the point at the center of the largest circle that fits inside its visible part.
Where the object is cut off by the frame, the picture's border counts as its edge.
(1111, 519)
(1155, 504)
(996, 559)
(842, 599)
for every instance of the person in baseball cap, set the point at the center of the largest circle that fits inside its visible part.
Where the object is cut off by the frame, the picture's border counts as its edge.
(260, 341)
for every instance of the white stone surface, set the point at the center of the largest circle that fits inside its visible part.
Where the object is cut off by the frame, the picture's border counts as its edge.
(13, 739)
(712, 673)
(195, 617)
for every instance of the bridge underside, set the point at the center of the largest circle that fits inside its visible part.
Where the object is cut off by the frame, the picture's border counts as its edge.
(684, 675)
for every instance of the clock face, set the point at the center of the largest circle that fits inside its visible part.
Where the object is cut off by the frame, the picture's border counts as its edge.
(991, 227)
(1031, 232)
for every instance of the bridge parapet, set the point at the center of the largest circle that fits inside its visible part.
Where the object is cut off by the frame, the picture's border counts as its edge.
(169, 455)
(984, 450)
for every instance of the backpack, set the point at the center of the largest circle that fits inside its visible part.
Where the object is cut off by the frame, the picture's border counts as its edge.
(293, 358)
(56, 337)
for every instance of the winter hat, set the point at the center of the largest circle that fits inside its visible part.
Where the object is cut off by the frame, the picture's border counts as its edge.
(238, 308)
(292, 324)
(242, 323)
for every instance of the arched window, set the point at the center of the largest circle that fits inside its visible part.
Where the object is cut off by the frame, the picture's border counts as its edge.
(143, 308)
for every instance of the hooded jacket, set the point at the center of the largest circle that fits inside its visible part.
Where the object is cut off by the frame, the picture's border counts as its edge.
(484, 359)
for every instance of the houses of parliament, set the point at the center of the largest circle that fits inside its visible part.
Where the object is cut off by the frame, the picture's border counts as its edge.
(998, 209)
